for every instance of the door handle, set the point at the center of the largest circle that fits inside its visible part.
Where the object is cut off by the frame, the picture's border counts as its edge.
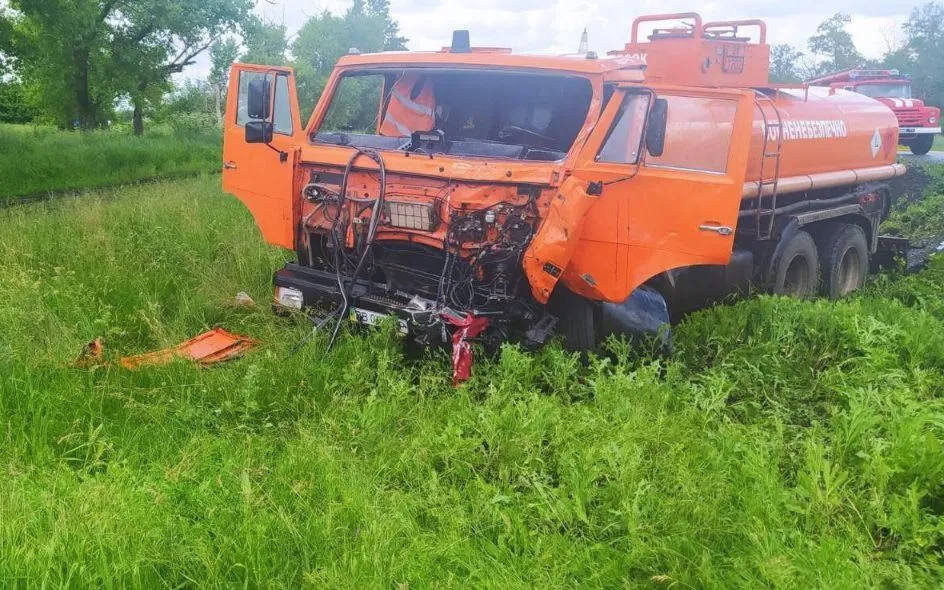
(718, 229)
(231, 165)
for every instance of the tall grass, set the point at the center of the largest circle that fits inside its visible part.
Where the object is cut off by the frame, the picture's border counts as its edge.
(39, 160)
(789, 444)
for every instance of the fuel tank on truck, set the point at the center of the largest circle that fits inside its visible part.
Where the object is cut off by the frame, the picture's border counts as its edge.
(829, 138)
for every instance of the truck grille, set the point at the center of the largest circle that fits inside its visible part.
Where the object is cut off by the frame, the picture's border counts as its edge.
(410, 215)
(909, 117)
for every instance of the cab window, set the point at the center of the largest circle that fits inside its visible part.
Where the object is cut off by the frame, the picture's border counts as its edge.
(624, 141)
(281, 110)
(698, 134)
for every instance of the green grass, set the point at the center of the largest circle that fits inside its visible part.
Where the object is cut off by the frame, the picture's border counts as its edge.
(788, 444)
(40, 160)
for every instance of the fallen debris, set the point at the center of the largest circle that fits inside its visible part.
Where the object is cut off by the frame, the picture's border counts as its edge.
(244, 300)
(208, 348)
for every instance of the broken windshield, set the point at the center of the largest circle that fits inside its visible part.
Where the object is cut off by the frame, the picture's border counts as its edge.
(513, 115)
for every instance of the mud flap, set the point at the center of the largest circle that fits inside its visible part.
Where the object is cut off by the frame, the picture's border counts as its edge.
(559, 236)
(644, 315)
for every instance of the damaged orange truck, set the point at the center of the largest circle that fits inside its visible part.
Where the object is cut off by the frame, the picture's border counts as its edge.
(476, 193)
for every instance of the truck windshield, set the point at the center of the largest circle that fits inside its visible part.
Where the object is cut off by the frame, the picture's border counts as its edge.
(511, 115)
(885, 90)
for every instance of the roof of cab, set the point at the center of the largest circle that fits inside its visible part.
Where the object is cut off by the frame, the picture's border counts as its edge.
(578, 65)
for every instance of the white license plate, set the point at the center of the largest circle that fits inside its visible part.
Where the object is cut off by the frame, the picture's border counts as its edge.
(372, 318)
(907, 130)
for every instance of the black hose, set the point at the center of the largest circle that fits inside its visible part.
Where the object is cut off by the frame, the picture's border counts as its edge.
(375, 217)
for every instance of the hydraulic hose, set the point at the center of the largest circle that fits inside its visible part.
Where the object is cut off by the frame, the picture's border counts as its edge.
(375, 217)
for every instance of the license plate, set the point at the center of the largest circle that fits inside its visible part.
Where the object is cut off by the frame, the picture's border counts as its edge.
(372, 318)
(907, 130)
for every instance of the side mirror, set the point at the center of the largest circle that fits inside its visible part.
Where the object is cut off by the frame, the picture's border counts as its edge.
(258, 132)
(258, 101)
(655, 128)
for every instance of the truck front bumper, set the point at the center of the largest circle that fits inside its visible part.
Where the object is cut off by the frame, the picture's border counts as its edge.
(910, 132)
(298, 287)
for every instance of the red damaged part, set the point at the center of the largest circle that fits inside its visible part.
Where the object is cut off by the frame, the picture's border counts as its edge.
(466, 327)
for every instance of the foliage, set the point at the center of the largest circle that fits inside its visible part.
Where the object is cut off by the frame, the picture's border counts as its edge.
(783, 64)
(789, 444)
(834, 45)
(323, 39)
(81, 55)
(14, 104)
(922, 54)
(266, 43)
(48, 159)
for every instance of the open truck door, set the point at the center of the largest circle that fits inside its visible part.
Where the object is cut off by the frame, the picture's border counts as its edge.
(657, 186)
(261, 141)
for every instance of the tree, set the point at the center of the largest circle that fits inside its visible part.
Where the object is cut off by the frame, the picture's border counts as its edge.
(80, 55)
(162, 37)
(784, 64)
(366, 26)
(923, 52)
(60, 50)
(266, 43)
(833, 45)
(222, 55)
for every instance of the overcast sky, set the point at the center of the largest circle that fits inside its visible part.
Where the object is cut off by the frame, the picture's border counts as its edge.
(554, 26)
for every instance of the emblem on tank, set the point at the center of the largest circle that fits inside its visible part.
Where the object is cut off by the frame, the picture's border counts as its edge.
(876, 143)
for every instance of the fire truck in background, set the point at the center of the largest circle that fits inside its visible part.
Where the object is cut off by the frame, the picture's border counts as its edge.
(918, 123)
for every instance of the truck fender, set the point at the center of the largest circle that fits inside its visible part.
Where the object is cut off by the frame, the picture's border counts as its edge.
(559, 235)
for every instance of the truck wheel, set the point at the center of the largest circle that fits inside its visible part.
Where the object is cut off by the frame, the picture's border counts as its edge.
(921, 144)
(797, 272)
(844, 252)
(576, 319)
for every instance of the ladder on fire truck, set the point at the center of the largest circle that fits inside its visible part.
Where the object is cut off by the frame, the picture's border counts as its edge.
(766, 182)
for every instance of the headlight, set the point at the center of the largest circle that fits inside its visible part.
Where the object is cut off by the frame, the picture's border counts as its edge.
(291, 298)
(932, 120)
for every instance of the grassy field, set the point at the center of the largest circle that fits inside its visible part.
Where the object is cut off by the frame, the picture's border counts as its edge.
(788, 444)
(39, 160)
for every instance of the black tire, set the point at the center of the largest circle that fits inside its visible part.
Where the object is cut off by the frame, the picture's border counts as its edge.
(921, 144)
(844, 253)
(576, 319)
(797, 271)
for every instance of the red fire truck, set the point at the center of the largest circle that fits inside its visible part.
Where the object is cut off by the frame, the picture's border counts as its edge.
(918, 123)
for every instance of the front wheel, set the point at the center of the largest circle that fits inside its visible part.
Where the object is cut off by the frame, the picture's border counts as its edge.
(577, 319)
(921, 144)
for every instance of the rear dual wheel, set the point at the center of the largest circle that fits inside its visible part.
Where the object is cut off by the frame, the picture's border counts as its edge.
(835, 264)
(844, 251)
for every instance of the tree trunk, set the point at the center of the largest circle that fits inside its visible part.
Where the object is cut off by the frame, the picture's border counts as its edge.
(83, 97)
(137, 118)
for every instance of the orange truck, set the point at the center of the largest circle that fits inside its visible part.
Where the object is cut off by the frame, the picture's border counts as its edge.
(473, 193)
(918, 123)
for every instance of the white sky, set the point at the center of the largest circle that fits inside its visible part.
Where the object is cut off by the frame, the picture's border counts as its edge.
(554, 26)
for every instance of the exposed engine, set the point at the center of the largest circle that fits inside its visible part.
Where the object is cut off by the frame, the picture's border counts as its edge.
(431, 252)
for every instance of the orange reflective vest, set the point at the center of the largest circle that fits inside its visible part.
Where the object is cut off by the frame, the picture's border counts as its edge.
(411, 108)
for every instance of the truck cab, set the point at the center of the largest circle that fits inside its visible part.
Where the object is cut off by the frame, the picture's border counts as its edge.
(919, 123)
(477, 193)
